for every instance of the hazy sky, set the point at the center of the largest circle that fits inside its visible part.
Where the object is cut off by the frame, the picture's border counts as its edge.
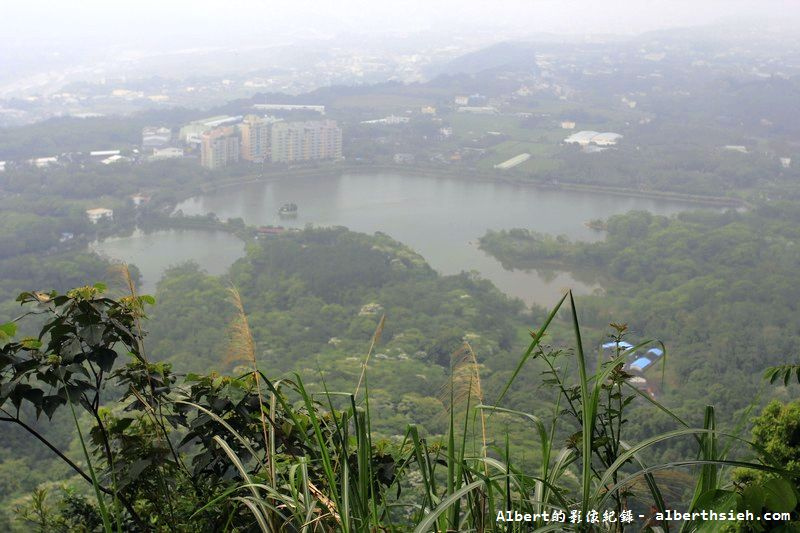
(25, 21)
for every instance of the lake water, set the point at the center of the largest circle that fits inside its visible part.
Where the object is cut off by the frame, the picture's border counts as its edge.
(154, 252)
(441, 219)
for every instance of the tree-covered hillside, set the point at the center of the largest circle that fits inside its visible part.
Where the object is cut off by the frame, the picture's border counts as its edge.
(722, 288)
(314, 300)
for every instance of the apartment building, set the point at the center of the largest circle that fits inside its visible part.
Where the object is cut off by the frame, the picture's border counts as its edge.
(305, 141)
(256, 134)
(219, 147)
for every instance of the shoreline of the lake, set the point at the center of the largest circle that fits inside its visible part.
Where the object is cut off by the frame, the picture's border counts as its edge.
(415, 208)
(419, 209)
(700, 200)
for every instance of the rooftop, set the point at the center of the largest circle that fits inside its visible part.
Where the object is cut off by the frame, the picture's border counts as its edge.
(606, 138)
(514, 161)
(622, 344)
(641, 363)
(581, 137)
(658, 352)
(588, 136)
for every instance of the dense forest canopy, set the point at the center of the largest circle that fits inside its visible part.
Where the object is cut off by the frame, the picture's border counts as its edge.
(726, 284)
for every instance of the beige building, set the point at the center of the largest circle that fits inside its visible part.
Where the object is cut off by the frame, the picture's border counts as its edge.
(322, 140)
(256, 134)
(304, 141)
(219, 147)
(286, 142)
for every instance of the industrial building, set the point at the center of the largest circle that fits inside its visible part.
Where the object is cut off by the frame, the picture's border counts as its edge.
(166, 153)
(390, 120)
(587, 137)
(155, 137)
(514, 161)
(192, 133)
(291, 107)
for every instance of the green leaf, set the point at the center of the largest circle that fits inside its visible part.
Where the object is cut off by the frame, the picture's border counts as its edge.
(50, 404)
(779, 495)
(8, 330)
(101, 287)
(105, 358)
(753, 498)
(233, 393)
(72, 392)
(93, 334)
(31, 343)
(146, 298)
(33, 395)
(718, 500)
(121, 424)
(430, 518)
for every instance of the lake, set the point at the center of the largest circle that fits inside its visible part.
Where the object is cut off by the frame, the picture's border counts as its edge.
(441, 218)
(154, 252)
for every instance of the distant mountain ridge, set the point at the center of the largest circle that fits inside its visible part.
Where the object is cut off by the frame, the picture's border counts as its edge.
(505, 55)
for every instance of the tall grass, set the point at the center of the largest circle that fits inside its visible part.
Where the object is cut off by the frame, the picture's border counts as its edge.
(460, 483)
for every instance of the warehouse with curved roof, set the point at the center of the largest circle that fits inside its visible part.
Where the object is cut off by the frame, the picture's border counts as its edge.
(587, 137)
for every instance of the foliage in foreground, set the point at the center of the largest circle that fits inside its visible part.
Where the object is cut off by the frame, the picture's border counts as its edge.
(212, 452)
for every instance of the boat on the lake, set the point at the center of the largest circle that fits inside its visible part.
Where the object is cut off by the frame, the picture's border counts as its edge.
(288, 210)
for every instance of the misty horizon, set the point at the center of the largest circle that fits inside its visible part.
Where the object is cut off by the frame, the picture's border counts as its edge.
(180, 25)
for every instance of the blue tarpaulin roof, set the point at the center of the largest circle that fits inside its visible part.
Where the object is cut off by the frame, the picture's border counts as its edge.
(641, 363)
(658, 352)
(622, 344)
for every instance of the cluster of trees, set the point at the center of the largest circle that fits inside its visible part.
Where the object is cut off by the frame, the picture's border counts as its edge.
(724, 283)
(680, 167)
(314, 300)
(72, 134)
(29, 232)
(80, 182)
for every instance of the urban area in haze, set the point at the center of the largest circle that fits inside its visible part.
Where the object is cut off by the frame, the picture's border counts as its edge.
(372, 266)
